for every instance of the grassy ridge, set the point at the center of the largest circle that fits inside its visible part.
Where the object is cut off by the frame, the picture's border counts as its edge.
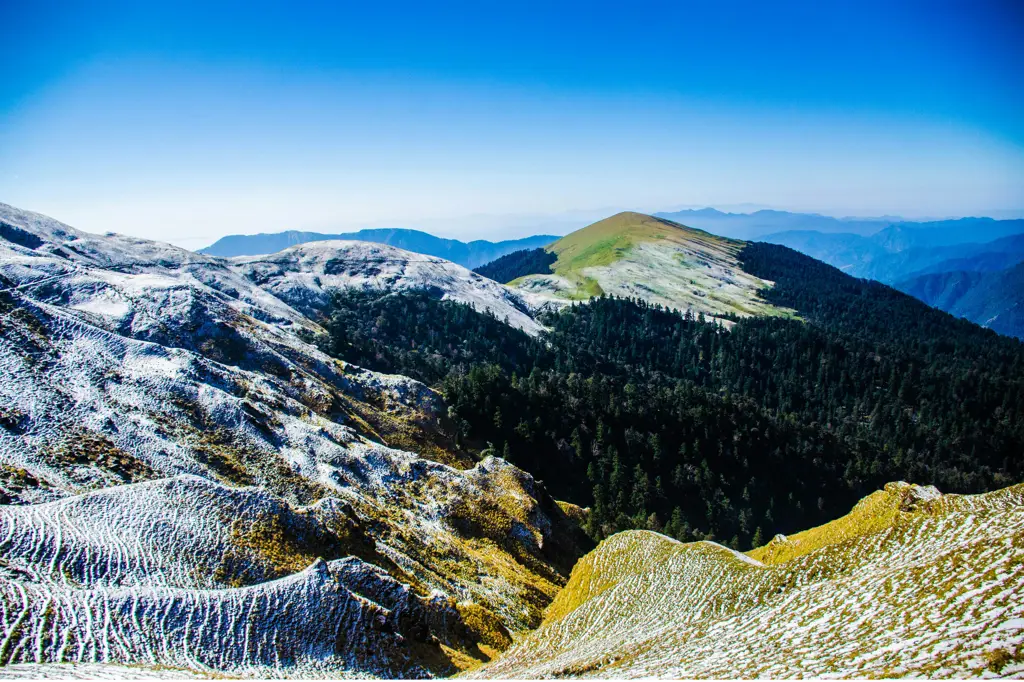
(636, 255)
(909, 583)
(606, 241)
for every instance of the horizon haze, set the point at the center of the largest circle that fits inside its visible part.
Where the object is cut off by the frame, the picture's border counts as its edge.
(189, 122)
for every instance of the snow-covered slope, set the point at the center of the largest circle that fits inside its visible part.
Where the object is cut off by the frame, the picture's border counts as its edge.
(42, 254)
(304, 276)
(911, 582)
(141, 367)
(124, 361)
(189, 573)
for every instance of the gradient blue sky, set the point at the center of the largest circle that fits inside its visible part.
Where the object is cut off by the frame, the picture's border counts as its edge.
(186, 121)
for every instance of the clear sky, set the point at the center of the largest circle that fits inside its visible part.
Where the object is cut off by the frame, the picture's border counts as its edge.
(186, 121)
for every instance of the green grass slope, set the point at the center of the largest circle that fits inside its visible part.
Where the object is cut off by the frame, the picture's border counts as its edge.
(657, 260)
(911, 582)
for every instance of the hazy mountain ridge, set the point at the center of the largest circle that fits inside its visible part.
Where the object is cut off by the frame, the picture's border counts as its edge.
(890, 256)
(993, 299)
(1000, 254)
(467, 254)
(902, 236)
(891, 232)
(756, 224)
(935, 263)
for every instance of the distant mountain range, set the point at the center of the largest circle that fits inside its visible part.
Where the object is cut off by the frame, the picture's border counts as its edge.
(892, 233)
(992, 299)
(752, 226)
(967, 267)
(888, 249)
(468, 255)
(900, 251)
(891, 256)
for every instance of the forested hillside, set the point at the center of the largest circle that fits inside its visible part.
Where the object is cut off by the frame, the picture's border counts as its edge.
(994, 299)
(518, 264)
(417, 334)
(659, 420)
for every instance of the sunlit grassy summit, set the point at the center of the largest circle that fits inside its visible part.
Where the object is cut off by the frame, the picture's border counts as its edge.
(639, 256)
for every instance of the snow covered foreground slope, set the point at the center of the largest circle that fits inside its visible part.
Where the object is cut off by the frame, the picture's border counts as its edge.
(129, 369)
(188, 573)
(911, 582)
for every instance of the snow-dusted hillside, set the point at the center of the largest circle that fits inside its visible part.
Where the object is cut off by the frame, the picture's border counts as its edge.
(304, 275)
(124, 361)
(656, 260)
(189, 573)
(911, 582)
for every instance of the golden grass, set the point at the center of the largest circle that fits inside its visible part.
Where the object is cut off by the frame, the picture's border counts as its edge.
(942, 570)
(485, 627)
(876, 512)
(576, 513)
(590, 576)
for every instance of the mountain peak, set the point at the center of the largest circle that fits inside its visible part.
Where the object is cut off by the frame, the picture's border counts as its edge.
(636, 255)
(630, 221)
(614, 236)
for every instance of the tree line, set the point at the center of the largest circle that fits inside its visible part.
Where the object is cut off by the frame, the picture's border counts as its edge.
(518, 264)
(662, 420)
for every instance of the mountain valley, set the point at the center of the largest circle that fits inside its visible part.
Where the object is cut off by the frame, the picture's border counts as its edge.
(348, 459)
(975, 280)
(992, 297)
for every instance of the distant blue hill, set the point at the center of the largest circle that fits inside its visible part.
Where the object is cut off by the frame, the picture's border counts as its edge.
(903, 250)
(993, 299)
(468, 254)
(890, 233)
(754, 225)
(971, 267)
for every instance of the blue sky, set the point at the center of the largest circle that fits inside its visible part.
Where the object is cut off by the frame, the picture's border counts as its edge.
(186, 121)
